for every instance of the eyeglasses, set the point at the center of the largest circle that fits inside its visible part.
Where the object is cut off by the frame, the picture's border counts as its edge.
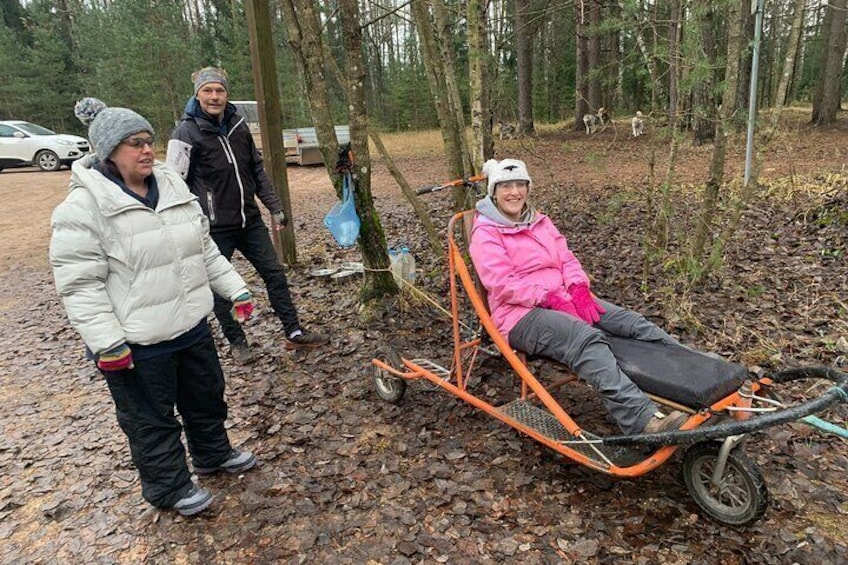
(512, 186)
(140, 142)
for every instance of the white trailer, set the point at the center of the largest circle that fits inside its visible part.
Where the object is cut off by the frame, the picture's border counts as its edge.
(301, 144)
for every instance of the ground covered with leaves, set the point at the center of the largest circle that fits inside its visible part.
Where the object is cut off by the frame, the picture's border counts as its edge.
(347, 478)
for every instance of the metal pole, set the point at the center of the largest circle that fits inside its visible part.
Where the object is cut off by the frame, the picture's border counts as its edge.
(757, 7)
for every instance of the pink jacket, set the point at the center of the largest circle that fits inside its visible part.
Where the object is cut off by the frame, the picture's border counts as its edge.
(520, 265)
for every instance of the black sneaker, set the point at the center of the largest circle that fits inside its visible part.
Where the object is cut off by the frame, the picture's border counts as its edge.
(194, 501)
(241, 353)
(236, 462)
(306, 340)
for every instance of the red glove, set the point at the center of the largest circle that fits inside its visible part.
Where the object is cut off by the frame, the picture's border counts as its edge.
(587, 307)
(554, 300)
(116, 359)
(242, 308)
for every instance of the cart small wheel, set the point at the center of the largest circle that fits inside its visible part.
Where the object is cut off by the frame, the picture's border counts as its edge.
(742, 496)
(389, 387)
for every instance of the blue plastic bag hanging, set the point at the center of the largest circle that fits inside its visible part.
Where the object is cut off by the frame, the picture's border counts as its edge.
(342, 220)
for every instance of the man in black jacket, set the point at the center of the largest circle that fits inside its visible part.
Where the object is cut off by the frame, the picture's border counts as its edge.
(213, 149)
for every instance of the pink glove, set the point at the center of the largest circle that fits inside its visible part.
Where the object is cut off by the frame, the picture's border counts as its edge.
(242, 308)
(118, 358)
(554, 300)
(587, 307)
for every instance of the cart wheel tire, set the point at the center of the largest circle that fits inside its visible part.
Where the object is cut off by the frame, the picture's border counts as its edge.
(47, 160)
(389, 387)
(742, 497)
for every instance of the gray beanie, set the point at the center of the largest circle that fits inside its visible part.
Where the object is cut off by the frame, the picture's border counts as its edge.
(207, 75)
(503, 171)
(108, 127)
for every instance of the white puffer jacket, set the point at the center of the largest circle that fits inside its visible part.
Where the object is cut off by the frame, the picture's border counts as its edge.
(129, 273)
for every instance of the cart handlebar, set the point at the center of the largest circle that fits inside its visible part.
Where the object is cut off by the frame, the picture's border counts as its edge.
(836, 393)
(466, 182)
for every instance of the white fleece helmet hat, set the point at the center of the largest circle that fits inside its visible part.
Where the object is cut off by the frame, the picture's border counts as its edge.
(503, 171)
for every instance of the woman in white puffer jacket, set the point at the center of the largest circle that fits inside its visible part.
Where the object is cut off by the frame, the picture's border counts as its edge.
(135, 266)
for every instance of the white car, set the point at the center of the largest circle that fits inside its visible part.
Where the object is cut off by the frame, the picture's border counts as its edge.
(23, 144)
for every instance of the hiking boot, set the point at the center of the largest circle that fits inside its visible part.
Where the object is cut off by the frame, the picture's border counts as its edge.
(664, 423)
(236, 462)
(194, 501)
(306, 340)
(241, 353)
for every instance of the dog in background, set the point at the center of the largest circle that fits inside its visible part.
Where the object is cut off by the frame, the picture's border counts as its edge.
(505, 131)
(637, 124)
(592, 121)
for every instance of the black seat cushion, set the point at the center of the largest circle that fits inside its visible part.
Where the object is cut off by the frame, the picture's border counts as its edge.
(677, 373)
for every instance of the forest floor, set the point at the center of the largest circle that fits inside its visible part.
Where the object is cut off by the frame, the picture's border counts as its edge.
(346, 478)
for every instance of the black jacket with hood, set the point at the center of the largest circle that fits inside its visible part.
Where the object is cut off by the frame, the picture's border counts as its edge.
(225, 169)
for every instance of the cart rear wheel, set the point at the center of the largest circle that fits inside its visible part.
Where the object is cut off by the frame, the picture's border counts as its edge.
(740, 499)
(389, 387)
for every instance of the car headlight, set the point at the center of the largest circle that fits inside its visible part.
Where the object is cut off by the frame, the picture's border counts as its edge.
(64, 142)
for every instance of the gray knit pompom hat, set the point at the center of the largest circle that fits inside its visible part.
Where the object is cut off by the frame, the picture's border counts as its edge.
(108, 127)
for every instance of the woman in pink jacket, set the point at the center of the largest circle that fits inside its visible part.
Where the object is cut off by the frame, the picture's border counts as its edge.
(540, 300)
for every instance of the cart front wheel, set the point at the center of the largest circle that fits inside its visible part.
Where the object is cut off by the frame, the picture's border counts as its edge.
(740, 498)
(389, 387)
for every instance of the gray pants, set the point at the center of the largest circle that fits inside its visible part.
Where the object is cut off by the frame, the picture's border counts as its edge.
(583, 349)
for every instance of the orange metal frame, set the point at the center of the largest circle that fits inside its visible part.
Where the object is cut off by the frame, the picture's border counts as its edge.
(530, 387)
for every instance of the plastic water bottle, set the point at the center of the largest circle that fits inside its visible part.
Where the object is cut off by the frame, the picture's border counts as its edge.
(408, 264)
(395, 265)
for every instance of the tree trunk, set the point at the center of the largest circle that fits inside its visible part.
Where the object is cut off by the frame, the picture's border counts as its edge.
(524, 57)
(420, 210)
(304, 35)
(673, 62)
(715, 181)
(481, 113)
(747, 21)
(637, 24)
(268, 101)
(581, 71)
(594, 57)
(704, 103)
(791, 54)
(372, 239)
(829, 84)
(443, 39)
(438, 89)
(729, 96)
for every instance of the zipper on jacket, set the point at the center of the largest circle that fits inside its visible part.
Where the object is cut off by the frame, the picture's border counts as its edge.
(211, 204)
(231, 157)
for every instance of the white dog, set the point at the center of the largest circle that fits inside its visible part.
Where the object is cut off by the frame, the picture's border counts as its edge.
(592, 121)
(637, 124)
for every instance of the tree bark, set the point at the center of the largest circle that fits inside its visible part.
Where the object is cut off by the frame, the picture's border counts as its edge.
(637, 23)
(704, 103)
(524, 57)
(448, 64)
(304, 35)
(372, 239)
(268, 101)
(791, 54)
(481, 113)
(420, 210)
(433, 64)
(594, 57)
(673, 62)
(581, 70)
(829, 84)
